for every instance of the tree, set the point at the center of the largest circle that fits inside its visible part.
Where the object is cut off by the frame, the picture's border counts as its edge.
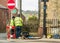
(33, 23)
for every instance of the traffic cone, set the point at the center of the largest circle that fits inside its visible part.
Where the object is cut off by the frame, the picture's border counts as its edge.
(8, 36)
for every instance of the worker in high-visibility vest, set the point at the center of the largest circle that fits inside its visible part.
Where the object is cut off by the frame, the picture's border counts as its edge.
(12, 21)
(18, 25)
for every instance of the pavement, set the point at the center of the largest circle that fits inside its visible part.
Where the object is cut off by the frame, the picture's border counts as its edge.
(3, 39)
(31, 41)
(36, 40)
(3, 36)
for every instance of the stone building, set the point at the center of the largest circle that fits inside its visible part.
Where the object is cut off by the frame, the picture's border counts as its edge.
(53, 15)
(53, 10)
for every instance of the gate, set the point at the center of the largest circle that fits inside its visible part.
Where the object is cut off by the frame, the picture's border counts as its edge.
(53, 27)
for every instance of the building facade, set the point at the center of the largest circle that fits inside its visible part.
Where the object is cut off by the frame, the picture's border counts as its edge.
(4, 2)
(52, 17)
(4, 15)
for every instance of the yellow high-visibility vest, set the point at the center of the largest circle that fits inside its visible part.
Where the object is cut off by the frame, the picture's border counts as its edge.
(18, 21)
(12, 22)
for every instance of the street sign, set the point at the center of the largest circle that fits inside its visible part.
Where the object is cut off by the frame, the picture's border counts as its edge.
(11, 4)
(14, 11)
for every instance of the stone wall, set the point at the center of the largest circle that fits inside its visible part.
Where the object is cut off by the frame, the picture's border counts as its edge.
(53, 10)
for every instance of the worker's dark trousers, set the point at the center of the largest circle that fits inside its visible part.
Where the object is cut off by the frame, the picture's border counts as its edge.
(18, 31)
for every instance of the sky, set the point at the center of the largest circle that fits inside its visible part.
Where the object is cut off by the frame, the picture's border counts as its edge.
(30, 5)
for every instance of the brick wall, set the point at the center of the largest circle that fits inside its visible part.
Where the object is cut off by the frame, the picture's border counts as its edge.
(4, 15)
(3, 2)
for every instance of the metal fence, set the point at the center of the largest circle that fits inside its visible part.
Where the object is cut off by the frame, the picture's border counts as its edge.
(53, 26)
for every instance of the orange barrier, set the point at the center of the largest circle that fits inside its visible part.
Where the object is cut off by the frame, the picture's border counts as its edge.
(8, 30)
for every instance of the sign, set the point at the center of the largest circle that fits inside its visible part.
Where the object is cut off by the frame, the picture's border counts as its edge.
(11, 4)
(14, 11)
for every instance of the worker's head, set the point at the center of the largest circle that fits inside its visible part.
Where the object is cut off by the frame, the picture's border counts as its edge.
(18, 15)
(13, 17)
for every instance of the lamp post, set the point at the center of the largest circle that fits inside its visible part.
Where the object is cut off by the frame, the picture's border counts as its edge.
(20, 7)
(44, 19)
(39, 10)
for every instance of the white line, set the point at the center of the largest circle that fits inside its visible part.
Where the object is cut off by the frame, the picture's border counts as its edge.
(11, 4)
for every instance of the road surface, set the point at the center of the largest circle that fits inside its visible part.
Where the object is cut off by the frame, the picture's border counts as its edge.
(28, 41)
